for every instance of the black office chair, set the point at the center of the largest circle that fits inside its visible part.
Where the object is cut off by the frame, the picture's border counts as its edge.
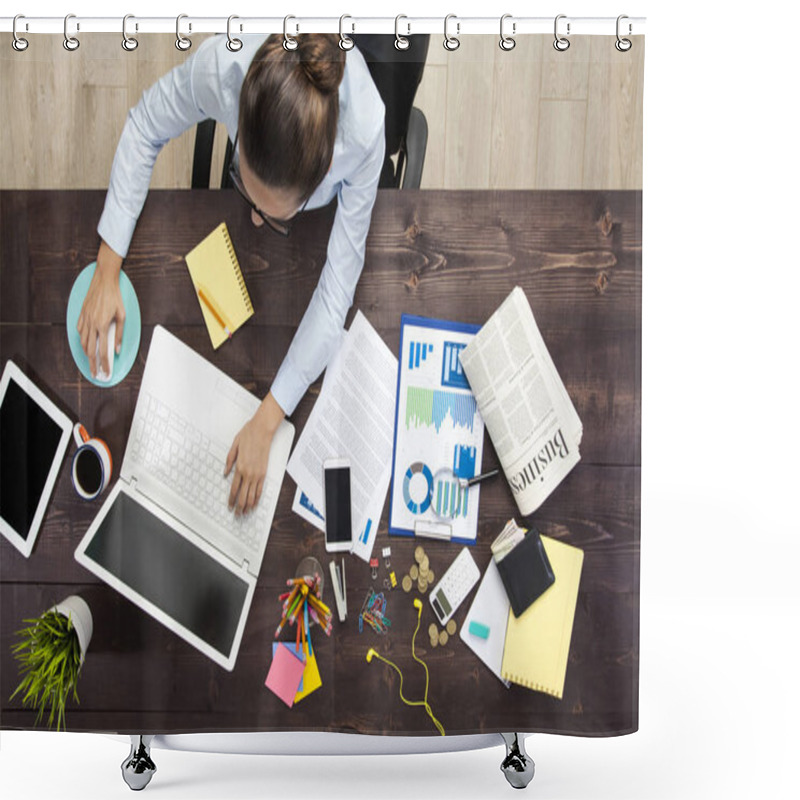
(397, 75)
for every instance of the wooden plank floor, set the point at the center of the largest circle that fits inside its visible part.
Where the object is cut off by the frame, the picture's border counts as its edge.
(446, 254)
(530, 118)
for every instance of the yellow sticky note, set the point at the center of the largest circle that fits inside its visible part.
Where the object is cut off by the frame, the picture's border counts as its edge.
(311, 678)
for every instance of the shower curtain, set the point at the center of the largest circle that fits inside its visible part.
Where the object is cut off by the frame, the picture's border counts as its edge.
(531, 178)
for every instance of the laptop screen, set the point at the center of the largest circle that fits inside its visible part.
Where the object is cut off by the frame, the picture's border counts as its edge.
(185, 583)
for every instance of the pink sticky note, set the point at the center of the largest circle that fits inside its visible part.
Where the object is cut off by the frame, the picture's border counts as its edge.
(285, 674)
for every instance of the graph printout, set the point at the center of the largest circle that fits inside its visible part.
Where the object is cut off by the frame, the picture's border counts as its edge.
(438, 431)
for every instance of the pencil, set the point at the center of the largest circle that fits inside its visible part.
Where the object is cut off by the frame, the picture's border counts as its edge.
(215, 310)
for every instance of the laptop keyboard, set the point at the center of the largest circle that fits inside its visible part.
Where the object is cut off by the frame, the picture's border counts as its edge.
(184, 459)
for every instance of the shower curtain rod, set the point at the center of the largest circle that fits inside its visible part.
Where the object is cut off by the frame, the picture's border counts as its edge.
(74, 25)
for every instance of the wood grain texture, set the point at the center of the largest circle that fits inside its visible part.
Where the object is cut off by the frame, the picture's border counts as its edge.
(450, 254)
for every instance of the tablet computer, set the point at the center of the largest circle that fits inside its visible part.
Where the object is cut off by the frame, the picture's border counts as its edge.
(34, 435)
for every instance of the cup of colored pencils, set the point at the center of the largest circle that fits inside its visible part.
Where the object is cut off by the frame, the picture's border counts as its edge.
(303, 606)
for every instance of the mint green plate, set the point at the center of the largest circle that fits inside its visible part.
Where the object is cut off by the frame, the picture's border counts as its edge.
(131, 335)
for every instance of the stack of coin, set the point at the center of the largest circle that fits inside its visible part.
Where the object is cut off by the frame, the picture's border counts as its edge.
(420, 572)
(423, 581)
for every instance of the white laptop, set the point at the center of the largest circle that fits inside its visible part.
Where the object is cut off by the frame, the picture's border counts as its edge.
(164, 536)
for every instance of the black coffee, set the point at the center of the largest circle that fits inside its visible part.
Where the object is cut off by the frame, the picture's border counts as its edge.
(89, 471)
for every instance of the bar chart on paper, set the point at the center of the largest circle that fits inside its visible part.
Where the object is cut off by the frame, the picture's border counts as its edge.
(432, 407)
(438, 431)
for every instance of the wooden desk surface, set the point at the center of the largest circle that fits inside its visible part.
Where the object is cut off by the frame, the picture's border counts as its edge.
(445, 254)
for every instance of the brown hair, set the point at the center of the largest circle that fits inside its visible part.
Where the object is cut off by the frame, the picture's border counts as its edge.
(289, 110)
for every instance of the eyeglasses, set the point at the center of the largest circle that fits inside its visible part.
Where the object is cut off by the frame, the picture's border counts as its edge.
(280, 226)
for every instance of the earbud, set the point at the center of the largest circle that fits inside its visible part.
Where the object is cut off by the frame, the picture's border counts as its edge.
(371, 652)
(417, 603)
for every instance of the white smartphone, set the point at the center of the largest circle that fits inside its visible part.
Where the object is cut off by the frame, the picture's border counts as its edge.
(338, 515)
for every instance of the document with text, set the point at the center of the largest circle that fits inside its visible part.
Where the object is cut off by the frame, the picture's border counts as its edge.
(353, 418)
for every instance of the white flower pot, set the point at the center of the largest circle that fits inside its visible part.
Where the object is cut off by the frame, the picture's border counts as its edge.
(75, 607)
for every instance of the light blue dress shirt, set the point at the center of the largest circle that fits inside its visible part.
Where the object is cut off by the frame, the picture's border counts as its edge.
(207, 85)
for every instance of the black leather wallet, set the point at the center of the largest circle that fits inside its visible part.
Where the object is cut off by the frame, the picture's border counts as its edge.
(526, 572)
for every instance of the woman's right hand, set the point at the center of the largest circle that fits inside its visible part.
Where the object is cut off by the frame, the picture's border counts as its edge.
(103, 304)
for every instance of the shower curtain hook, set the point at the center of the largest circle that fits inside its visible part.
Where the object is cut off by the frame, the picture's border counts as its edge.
(401, 42)
(289, 43)
(507, 42)
(623, 45)
(345, 42)
(129, 43)
(71, 43)
(18, 43)
(234, 45)
(560, 43)
(182, 42)
(451, 43)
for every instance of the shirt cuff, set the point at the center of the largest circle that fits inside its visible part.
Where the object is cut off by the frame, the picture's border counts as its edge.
(115, 226)
(288, 387)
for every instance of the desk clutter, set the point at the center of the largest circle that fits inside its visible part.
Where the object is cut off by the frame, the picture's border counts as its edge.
(418, 438)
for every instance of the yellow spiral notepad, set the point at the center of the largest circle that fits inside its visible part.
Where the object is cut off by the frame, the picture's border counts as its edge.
(215, 270)
(537, 642)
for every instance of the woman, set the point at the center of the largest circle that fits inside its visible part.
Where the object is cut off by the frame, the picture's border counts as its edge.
(308, 125)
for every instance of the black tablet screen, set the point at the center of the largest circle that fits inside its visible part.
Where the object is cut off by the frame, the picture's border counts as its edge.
(28, 443)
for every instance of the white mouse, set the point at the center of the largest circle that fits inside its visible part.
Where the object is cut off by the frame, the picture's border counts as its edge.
(101, 376)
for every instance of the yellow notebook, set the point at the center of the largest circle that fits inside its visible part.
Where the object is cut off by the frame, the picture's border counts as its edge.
(537, 642)
(217, 278)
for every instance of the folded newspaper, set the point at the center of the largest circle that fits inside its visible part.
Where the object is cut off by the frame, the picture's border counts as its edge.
(533, 425)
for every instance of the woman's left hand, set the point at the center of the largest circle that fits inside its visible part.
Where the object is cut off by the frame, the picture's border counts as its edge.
(250, 453)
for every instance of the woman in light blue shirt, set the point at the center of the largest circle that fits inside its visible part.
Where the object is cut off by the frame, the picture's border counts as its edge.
(309, 127)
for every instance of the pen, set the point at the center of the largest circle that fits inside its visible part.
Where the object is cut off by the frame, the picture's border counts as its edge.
(464, 482)
(211, 305)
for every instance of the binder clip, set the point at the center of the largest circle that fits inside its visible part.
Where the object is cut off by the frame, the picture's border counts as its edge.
(373, 562)
(391, 581)
(387, 552)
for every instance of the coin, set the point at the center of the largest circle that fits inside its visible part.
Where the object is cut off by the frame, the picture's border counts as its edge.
(422, 585)
(451, 627)
(432, 630)
(431, 577)
(419, 554)
(414, 572)
(423, 573)
(443, 637)
(434, 642)
(407, 583)
(425, 564)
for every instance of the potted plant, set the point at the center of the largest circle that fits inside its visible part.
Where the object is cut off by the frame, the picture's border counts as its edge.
(50, 652)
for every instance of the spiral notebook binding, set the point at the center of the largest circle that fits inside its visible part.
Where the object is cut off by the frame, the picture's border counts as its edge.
(237, 269)
(537, 687)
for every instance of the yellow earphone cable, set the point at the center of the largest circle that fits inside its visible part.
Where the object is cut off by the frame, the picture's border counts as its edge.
(373, 652)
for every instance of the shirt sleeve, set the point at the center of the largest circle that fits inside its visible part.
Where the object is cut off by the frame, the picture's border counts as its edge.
(165, 111)
(319, 330)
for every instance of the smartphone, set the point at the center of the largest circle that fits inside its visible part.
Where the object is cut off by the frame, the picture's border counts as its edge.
(338, 517)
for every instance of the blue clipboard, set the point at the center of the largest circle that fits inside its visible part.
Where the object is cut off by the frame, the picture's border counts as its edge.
(411, 358)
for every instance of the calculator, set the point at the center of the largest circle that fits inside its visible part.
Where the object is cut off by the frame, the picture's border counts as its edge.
(454, 586)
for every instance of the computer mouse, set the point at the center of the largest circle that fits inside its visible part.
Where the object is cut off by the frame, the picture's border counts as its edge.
(102, 376)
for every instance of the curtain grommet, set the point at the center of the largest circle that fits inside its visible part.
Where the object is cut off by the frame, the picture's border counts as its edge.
(507, 43)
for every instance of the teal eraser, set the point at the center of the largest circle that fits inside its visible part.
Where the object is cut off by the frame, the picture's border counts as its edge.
(478, 629)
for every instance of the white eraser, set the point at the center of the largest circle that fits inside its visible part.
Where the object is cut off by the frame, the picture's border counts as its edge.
(101, 376)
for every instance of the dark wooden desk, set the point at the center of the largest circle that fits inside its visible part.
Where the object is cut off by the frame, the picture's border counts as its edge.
(446, 254)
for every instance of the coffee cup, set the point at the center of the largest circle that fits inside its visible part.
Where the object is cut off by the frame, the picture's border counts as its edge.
(91, 464)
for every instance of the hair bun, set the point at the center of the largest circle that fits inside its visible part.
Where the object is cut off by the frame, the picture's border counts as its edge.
(322, 60)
